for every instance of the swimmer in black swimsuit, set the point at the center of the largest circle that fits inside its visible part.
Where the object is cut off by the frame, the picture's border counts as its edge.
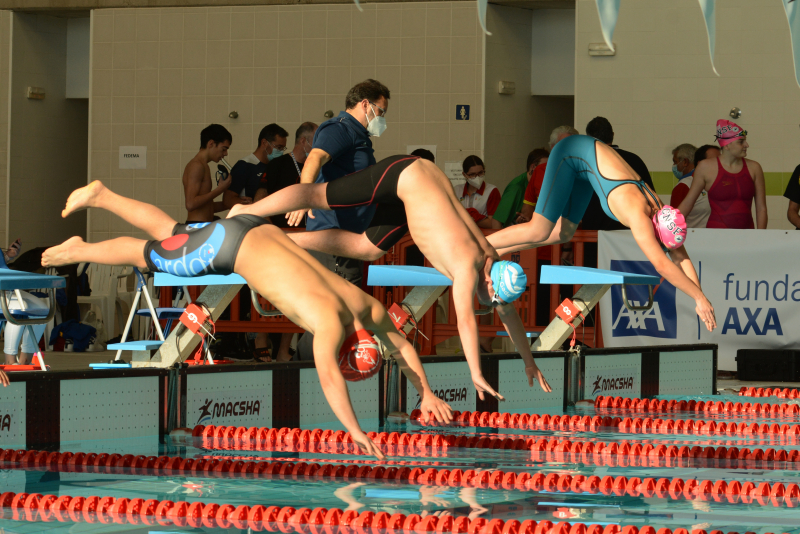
(287, 276)
(413, 194)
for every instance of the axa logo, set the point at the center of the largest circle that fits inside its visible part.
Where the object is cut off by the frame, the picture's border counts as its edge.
(211, 410)
(616, 383)
(660, 320)
(5, 422)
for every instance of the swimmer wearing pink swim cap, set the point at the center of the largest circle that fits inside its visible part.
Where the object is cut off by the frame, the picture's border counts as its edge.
(580, 166)
(733, 182)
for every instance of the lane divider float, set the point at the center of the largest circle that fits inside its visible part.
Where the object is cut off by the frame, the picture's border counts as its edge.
(733, 491)
(720, 407)
(106, 510)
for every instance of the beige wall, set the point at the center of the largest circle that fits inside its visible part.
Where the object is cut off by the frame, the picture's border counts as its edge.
(514, 124)
(660, 91)
(48, 148)
(160, 75)
(5, 54)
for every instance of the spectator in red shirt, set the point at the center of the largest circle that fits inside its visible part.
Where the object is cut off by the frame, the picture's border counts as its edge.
(480, 199)
(535, 184)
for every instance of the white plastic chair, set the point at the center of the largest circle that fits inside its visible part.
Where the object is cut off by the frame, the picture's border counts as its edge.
(104, 282)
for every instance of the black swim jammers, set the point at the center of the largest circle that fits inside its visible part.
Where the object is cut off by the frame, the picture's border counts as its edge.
(201, 248)
(375, 185)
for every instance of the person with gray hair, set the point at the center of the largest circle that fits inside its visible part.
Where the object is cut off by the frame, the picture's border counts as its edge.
(559, 133)
(683, 169)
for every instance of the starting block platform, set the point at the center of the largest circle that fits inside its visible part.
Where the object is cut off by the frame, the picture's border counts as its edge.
(595, 283)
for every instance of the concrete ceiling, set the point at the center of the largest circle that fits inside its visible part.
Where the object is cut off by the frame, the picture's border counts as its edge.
(64, 7)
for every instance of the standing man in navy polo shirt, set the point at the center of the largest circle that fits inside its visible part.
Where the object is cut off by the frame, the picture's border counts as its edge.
(342, 146)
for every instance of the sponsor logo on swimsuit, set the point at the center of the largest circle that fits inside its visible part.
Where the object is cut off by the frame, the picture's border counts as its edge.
(212, 410)
(195, 262)
(659, 321)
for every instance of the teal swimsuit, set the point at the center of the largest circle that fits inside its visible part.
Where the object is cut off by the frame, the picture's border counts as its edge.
(571, 178)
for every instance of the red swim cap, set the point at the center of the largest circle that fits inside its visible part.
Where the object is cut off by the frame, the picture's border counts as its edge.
(359, 357)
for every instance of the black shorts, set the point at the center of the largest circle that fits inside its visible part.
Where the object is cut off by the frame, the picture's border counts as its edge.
(201, 248)
(376, 185)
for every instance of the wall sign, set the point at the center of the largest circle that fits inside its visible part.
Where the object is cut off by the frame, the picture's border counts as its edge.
(133, 157)
(462, 112)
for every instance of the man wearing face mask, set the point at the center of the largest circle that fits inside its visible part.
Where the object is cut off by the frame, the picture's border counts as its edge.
(248, 172)
(342, 146)
(286, 170)
(478, 197)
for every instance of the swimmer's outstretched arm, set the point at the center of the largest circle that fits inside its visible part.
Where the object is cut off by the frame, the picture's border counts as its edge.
(328, 339)
(677, 269)
(144, 216)
(411, 366)
(516, 331)
(464, 284)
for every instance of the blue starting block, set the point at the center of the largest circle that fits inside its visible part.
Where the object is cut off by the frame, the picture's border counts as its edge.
(219, 292)
(553, 274)
(594, 284)
(406, 275)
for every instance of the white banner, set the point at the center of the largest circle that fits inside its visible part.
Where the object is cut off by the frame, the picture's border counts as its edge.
(750, 277)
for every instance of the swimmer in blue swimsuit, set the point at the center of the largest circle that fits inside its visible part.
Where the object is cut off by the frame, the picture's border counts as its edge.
(309, 295)
(578, 166)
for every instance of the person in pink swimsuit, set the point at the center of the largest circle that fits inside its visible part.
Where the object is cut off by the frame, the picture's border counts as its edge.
(732, 182)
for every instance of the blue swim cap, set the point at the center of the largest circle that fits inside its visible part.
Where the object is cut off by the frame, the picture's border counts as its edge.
(509, 280)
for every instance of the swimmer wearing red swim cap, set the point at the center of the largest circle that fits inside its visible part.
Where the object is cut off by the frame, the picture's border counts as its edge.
(345, 321)
(580, 166)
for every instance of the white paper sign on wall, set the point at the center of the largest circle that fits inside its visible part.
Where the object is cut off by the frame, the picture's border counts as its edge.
(133, 157)
(453, 171)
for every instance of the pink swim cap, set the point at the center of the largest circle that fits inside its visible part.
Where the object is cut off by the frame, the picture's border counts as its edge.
(728, 132)
(670, 227)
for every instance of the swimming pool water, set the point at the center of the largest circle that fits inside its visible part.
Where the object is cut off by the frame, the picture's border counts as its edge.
(409, 498)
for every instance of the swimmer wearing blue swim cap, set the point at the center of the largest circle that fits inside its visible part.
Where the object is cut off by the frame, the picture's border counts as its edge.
(508, 280)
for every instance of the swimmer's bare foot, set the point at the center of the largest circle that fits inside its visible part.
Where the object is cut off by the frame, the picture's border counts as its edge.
(83, 198)
(61, 254)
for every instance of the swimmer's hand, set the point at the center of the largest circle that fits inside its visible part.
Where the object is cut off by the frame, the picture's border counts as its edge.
(4, 379)
(705, 311)
(433, 405)
(367, 446)
(532, 372)
(296, 217)
(482, 386)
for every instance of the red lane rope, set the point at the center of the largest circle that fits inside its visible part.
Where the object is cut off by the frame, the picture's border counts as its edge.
(628, 425)
(733, 491)
(720, 407)
(785, 393)
(106, 510)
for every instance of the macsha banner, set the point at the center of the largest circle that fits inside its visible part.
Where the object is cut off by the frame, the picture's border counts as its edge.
(751, 278)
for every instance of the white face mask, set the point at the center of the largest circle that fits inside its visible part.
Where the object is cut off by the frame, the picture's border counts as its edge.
(377, 125)
(476, 182)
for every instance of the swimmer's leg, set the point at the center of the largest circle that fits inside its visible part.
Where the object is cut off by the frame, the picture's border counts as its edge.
(562, 232)
(538, 232)
(338, 243)
(119, 251)
(144, 216)
(292, 198)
